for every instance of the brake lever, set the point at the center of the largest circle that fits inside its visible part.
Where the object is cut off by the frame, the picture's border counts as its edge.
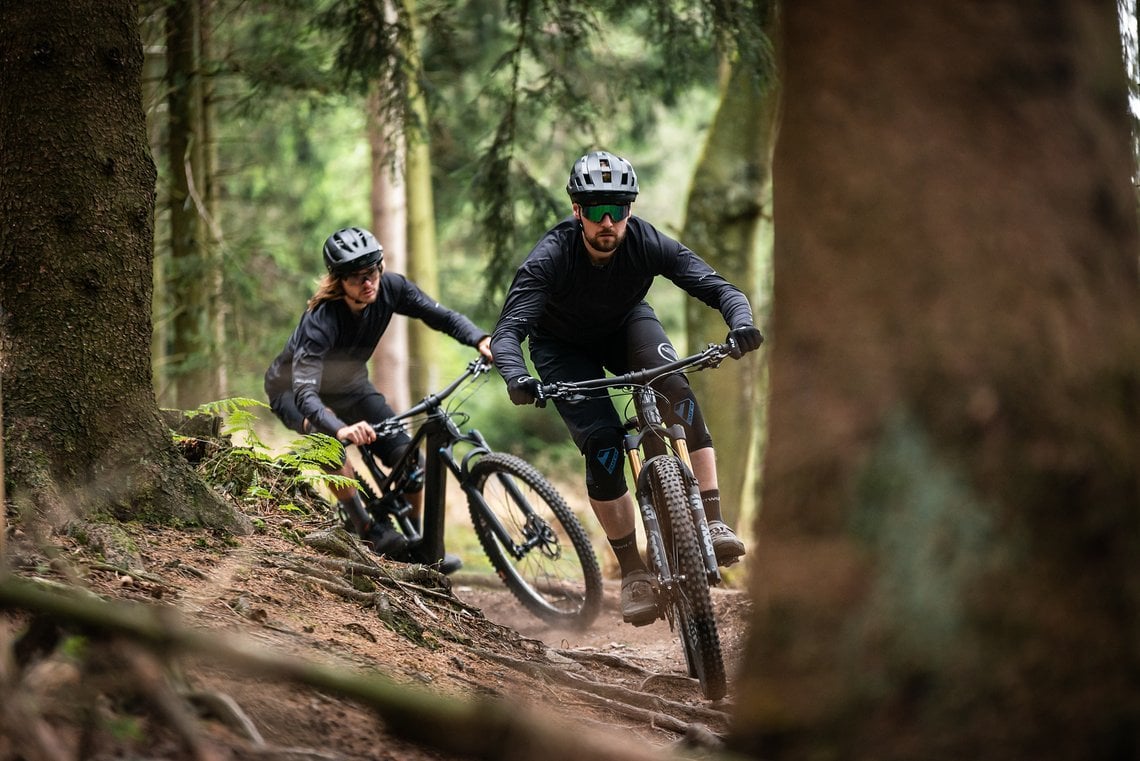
(386, 428)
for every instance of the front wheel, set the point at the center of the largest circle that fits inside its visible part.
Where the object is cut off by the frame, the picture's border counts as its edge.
(535, 542)
(689, 601)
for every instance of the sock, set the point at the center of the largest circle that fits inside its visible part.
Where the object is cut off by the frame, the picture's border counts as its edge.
(711, 501)
(627, 554)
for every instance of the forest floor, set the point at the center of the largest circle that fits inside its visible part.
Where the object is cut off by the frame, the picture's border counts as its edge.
(461, 639)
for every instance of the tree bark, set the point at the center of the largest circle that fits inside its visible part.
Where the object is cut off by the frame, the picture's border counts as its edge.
(951, 513)
(422, 267)
(390, 224)
(190, 280)
(81, 427)
(729, 203)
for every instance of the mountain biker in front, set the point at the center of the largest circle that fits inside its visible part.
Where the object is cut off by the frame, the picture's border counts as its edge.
(319, 382)
(579, 297)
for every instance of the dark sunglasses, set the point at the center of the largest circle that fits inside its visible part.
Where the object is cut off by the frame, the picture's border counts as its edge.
(357, 278)
(596, 214)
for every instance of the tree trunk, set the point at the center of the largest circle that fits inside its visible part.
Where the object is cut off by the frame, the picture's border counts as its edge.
(949, 540)
(152, 28)
(728, 205)
(216, 308)
(422, 268)
(390, 224)
(189, 281)
(81, 427)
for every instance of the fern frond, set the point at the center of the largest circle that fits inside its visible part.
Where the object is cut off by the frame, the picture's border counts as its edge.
(225, 407)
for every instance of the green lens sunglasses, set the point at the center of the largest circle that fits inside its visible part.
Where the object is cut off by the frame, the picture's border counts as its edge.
(595, 214)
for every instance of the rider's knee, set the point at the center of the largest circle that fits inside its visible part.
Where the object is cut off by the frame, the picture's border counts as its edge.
(605, 474)
(684, 409)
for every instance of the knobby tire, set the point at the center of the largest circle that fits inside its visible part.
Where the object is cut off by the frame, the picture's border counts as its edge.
(692, 605)
(559, 580)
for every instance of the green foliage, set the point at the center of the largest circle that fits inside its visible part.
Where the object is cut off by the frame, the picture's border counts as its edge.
(516, 91)
(257, 478)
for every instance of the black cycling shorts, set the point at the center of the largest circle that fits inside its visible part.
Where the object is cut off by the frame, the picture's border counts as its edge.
(351, 408)
(594, 424)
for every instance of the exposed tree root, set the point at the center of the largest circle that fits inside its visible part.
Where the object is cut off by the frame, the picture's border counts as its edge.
(652, 709)
(472, 728)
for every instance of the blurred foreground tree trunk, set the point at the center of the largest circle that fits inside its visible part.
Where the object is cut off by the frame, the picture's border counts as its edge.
(947, 565)
(81, 427)
(729, 204)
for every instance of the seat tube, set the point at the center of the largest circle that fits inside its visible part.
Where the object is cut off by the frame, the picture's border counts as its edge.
(435, 492)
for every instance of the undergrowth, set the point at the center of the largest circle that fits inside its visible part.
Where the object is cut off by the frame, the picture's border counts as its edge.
(241, 466)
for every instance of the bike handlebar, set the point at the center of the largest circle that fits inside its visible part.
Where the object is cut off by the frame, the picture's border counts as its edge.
(475, 367)
(711, 356)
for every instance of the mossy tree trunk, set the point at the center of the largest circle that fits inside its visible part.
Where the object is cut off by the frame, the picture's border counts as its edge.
(81, 427)
(730, 206)
(390, 224)
(422, 263)
(192, 282)
(947, 565)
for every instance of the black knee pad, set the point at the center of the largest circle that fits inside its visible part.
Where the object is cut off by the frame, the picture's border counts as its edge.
(605, 464)
(681, 407)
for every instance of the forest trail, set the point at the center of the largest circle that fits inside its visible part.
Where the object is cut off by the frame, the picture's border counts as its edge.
(469, 641)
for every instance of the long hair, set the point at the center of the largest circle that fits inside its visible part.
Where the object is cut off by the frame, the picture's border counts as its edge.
(329, 289)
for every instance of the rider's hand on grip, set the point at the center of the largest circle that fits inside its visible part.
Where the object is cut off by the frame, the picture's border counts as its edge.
(743, 340)
(523, 389)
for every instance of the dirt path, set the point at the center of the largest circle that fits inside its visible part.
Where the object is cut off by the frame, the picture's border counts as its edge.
(470, 641)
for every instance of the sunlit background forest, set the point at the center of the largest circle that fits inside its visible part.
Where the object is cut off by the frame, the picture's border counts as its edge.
(273, 125)
(285, 108)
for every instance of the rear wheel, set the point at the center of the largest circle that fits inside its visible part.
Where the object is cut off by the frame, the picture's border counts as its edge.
(690, 604)
(543, 555)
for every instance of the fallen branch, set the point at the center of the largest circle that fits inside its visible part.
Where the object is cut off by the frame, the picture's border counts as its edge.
(480, 728)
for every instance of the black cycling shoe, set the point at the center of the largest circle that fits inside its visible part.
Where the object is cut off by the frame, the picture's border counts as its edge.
(726, 545)
(638, 598)
(448, 565)
(383, 539)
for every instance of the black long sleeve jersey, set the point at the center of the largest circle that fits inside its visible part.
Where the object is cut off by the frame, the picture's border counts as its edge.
(328, 352)
(559, 293)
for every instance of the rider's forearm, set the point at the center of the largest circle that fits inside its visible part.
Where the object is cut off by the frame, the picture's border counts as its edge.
(506, 345)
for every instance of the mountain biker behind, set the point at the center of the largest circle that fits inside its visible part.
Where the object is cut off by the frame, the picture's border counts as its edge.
(580, 299)
(319, 382)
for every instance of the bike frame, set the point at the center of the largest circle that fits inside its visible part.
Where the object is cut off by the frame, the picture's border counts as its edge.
(652, 438)
(438, 434)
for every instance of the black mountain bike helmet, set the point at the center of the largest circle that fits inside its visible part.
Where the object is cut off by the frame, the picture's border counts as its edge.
(601, 177)
(351, 249)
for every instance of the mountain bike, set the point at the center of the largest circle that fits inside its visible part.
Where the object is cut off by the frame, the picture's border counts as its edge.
(679, 547)
(531, 536)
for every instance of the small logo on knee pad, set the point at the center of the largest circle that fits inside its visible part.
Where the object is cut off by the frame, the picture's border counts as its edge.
(685, 409)
(609, 458)
(666, 351)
